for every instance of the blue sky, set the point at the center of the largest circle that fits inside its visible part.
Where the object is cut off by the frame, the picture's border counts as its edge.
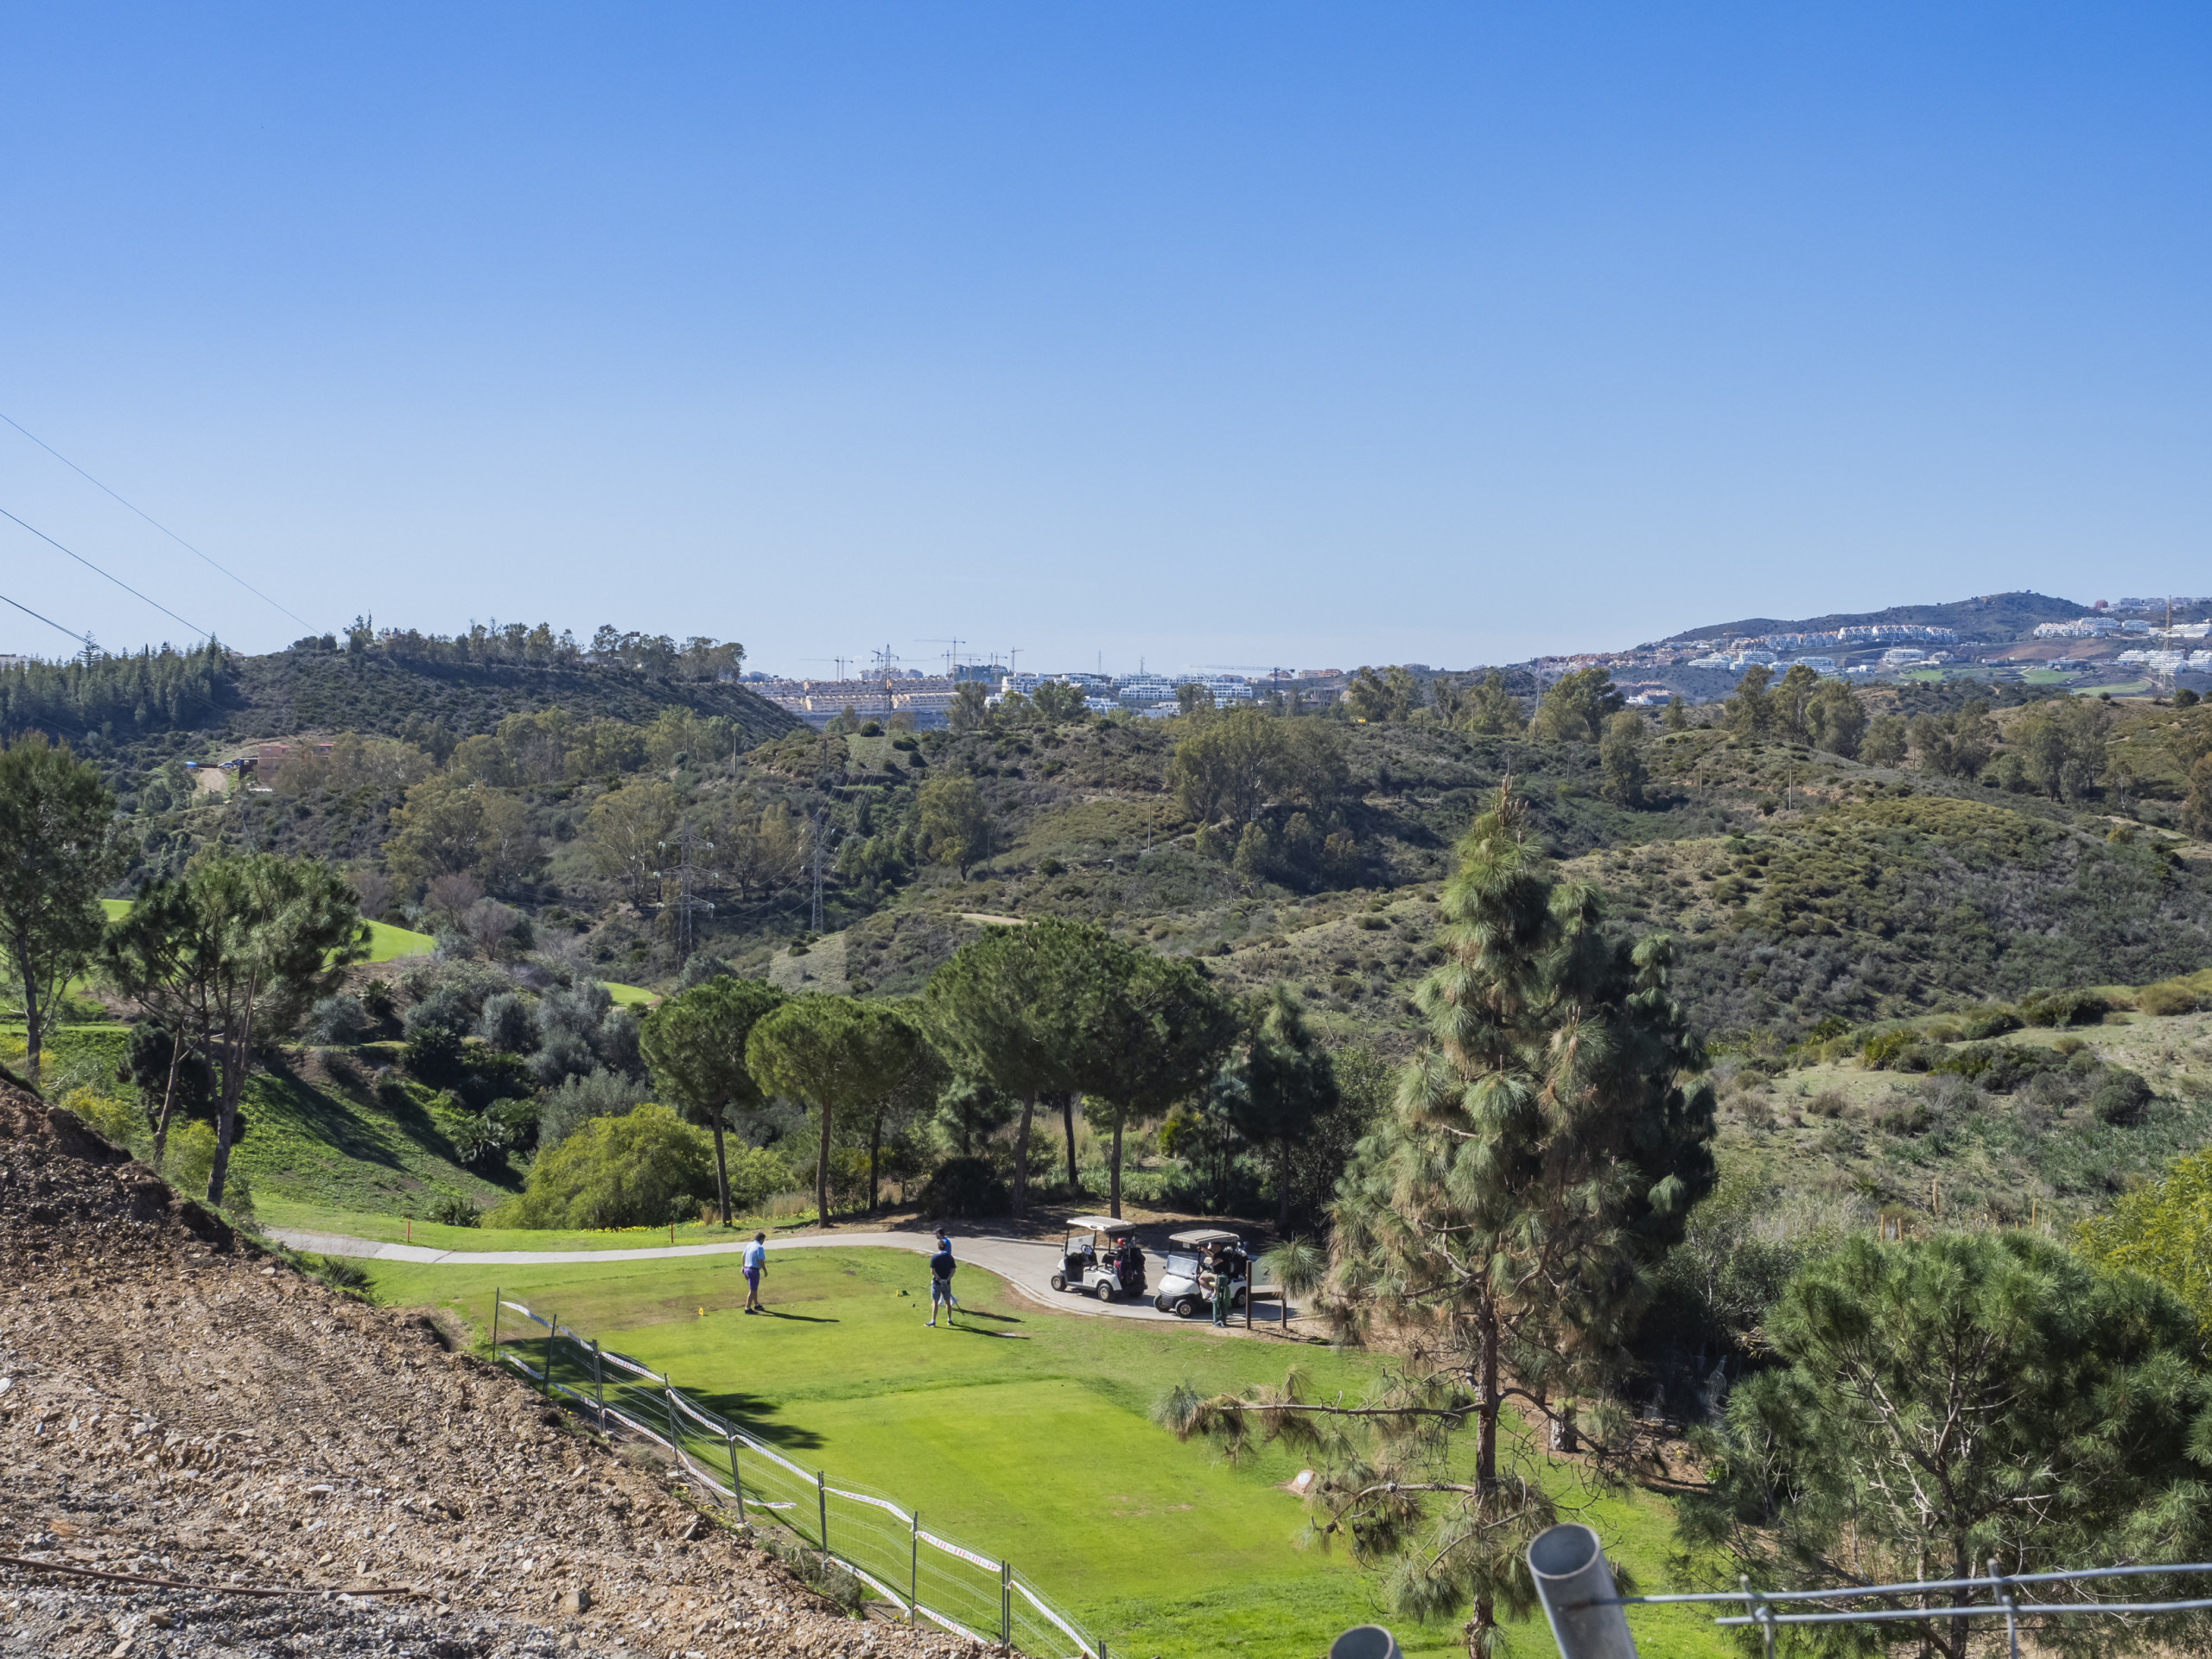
(1215, 334)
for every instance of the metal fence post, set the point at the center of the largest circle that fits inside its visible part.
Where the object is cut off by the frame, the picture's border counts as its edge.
(822, 1508)
(1576, 1588)
(598, 1386)
(1006, 1606)
(736, 1486)
(495, 1325)
(552, 1330)
(914, 1572)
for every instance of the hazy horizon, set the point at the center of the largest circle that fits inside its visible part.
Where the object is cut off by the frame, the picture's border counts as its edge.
(1285, 335)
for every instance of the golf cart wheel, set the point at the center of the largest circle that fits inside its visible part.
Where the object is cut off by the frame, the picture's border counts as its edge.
(1105, 1290)
(1059, 1282)
(1238, 1301)
(1185, 1307)
(1160, 1304)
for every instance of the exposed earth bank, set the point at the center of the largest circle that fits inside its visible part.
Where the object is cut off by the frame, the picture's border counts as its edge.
(177, 1405)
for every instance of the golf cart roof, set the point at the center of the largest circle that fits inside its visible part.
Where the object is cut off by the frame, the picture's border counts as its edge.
(1100, 1225)
(1202, 1236)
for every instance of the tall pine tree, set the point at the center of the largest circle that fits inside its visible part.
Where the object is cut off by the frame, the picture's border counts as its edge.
(1498, 1228)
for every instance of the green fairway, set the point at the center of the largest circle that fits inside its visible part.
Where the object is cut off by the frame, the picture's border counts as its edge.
(1023, 1433)
(386, 943)
(390, 1227)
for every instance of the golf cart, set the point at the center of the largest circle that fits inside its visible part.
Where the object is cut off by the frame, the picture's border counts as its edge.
(1100, 1256)
(1180, 1291)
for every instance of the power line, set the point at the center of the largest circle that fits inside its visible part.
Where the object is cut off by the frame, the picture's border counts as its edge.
(49, 621)
(97, 571)
(150, 519)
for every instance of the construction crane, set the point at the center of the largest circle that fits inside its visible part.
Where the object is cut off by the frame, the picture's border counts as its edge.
(952, 653)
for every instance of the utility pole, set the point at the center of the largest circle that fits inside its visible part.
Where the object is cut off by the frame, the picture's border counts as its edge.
(685, 904)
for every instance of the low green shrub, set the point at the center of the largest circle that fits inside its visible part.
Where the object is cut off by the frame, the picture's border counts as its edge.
(643, 1169)
(2120, 1098)
(2065, 1008)
(2168, 997)
(454, 1211)
(963, 1189)
(1984, 1023)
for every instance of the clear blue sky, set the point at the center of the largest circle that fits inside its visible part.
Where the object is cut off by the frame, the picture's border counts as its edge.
(1210, 333)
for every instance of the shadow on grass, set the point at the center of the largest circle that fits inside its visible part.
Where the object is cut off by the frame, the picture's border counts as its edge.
(755, 1413)
(804, 1319)
(284, 1093)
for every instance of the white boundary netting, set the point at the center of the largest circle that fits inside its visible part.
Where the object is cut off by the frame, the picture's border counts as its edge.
(920, 1571)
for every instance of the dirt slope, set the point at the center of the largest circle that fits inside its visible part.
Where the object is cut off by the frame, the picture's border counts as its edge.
(175, 1404)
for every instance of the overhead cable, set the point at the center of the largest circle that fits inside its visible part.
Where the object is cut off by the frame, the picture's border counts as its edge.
(150, 519)
(49, 620)
(203, 633)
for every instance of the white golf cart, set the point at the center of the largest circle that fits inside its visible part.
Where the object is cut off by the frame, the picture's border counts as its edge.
(1101, 1257)
(1181, 1291)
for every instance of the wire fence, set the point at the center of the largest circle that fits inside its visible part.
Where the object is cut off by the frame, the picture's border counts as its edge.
(1576, 1587)
(882, 1542)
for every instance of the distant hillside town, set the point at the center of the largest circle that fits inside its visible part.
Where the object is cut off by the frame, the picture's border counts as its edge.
(2000, 636)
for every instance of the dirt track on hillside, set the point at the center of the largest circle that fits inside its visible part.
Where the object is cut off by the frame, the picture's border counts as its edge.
(177, 1405)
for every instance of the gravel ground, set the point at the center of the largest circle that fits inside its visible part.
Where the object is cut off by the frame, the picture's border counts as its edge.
(178, 1405)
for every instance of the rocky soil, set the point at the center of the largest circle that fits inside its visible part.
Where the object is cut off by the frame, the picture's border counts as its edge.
(178, 1406)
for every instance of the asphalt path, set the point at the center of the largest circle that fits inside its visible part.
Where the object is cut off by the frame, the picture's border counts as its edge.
(1024, 1264)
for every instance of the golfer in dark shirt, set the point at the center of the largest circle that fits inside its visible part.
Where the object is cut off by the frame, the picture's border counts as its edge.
(941, 1266)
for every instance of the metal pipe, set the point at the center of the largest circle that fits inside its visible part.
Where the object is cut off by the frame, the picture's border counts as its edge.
(1576, 1588)
(822, 1508)
(736, 1486)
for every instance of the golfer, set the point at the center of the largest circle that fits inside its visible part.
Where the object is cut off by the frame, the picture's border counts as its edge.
(756, 1263)
(941, 1266)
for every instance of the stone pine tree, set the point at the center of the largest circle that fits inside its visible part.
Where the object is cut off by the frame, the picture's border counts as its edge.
(57, 851)
(1144, 1032)
(1500, 1226)
(1003, 1011)
(837, 1053)
(694, 1047)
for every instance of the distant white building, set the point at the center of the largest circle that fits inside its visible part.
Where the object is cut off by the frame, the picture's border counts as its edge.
(1716, 660)
(1902, 656)
(1823, 666)
(2200, 662)
(1744, 660)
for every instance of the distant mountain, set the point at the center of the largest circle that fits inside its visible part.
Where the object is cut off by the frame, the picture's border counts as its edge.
(1994, 617)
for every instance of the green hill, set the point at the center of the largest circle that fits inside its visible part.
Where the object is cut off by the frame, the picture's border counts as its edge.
(132, 710)
(1995, 617)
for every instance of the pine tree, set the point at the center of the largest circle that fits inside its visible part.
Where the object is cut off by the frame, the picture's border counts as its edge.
(1500, 1226)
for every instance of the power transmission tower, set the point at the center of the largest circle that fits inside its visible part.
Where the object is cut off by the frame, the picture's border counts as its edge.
(685, 904)
(884, 659)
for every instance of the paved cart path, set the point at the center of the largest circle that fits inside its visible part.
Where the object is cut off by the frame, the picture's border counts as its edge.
(1026, 1266)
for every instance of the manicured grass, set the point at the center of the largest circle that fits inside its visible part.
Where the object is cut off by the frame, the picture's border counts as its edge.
(392, 1228)
(386, 944)
(1024, 1432)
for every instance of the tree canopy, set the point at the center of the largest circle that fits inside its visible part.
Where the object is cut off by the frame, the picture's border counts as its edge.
(58, 848)
(1950, 1402)
(694, 1045)
(837, 1053)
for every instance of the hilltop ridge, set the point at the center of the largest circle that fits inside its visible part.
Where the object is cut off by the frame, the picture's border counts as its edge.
(1995, 617)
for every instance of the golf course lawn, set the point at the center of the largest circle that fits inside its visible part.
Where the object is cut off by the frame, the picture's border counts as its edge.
(1023, 1433)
